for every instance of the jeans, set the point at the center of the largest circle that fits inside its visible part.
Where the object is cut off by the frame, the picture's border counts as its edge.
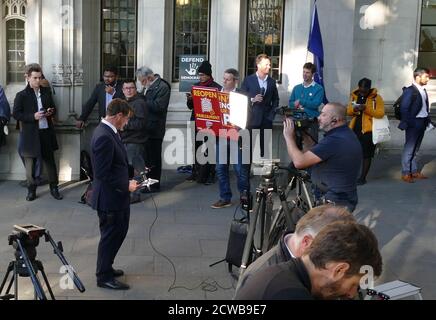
(414, 136)
(234, 154)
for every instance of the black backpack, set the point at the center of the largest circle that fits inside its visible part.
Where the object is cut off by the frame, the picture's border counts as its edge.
(397, 103)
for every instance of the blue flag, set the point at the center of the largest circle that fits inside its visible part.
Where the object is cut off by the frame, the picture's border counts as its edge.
(315, 47)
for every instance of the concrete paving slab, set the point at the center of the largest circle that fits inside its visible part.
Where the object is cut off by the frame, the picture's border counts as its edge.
(193, 236)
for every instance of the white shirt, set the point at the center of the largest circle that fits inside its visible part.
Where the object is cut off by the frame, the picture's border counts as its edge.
(110, 125)
(262, 83)
(423, 113)
(310, 85)
(43, 123)
(286, 238)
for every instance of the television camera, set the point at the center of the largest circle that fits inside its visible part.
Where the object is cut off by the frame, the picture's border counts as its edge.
(302, 122)
(24, 239)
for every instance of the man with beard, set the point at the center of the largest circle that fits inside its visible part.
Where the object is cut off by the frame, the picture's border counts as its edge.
(103, 94)
(335, 161)
(330, 269)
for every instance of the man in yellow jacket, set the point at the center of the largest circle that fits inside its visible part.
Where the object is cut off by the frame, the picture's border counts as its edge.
(364, 105)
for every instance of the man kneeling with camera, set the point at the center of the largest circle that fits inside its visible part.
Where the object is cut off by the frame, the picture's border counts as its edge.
(335, 160)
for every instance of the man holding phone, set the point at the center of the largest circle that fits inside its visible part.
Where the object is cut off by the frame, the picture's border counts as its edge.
(33, 110)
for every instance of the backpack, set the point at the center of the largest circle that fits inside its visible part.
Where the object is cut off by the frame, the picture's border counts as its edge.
(397, 103)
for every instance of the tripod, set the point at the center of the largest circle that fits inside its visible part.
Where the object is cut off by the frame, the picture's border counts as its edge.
(24, 240)
(264, 229)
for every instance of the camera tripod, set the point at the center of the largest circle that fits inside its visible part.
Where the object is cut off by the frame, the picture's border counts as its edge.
(24, 240)
(264, 229)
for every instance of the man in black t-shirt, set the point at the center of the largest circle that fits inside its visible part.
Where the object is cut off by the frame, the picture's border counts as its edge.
(335, 160)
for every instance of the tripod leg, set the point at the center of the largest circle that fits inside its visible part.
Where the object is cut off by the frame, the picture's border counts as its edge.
(215, 263)
(306, 194)
(259, 236)
(268, 218)
(47, 284)
(250, 235)
(8, 271)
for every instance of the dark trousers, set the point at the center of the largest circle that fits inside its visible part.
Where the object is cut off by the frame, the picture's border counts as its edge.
(113, 230)
(153, 158)
(48, 161)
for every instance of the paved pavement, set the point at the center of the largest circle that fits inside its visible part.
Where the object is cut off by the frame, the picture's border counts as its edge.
(167, 254)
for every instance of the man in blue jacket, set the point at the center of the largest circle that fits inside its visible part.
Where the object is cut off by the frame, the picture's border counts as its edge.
(264, 96)
(415, 118)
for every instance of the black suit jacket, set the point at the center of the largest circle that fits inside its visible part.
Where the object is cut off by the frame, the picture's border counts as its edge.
(261, 114)
(410, 106)
(111, 173)
(99, 96)
(25, 107)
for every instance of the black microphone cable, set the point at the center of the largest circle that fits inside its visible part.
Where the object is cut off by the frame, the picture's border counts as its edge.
(207, 285)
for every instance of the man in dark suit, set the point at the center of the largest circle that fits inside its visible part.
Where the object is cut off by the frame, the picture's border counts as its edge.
(111, 187)
(415, 118)
(33, 110)
(262, 90)
(103, 94)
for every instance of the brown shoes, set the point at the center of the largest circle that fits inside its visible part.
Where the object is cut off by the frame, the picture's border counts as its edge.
(408, 178)
(419, 175)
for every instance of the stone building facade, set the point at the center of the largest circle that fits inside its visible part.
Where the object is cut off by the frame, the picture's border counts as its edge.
(72, 40)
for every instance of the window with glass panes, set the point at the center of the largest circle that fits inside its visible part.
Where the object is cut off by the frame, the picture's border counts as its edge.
(191, 30)
(427, 43)
(15, 50)
(118, 38)
(264, 34)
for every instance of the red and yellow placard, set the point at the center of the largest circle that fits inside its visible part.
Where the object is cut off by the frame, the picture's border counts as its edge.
(212, 111)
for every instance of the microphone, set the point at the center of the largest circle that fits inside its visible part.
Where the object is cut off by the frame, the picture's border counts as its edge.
(262, 91)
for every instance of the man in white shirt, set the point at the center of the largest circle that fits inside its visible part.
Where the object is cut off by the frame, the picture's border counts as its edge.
(415, 118)
(33, 110)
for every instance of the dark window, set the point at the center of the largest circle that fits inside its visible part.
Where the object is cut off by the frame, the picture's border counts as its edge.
(264, 34)
(15, 50)
(191, 30)
(427, 43)
(118, 36)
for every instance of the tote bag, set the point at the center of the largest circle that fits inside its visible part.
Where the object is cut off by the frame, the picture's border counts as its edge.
(380, 130)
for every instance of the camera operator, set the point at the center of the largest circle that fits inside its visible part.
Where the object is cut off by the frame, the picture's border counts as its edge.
(329, 269)
(307, 97)
(294, 245)
(335, 160)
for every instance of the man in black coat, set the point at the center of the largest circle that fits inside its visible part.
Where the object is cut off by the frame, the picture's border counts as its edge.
(157, 98)
(111, 187)
(33, 109)
(103, 94)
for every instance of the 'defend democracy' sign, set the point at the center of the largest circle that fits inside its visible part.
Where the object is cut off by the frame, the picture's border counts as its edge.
(188, 66)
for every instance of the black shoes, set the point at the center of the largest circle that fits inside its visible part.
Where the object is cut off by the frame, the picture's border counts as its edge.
(54, 191)
(31, 193)
(113, 284)
(361, 182)
(117, 272)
